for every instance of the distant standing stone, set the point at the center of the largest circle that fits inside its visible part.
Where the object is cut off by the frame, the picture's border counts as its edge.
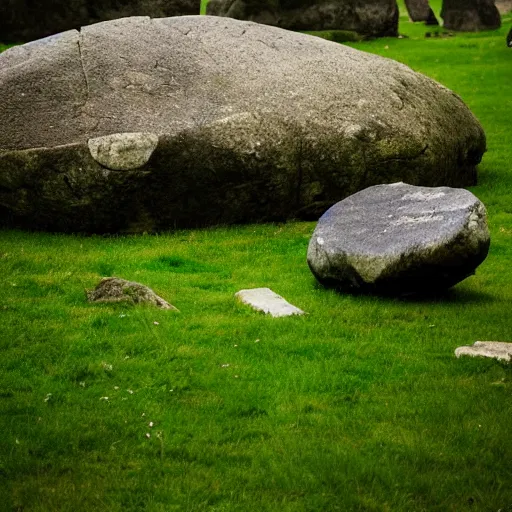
(264, 299)
(470, 15)
(495, 349)
(400, 239)
(114, 289)
(419, 10)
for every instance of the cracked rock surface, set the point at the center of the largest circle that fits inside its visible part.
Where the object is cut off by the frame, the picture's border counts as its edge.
(143, 124)
(400, 239)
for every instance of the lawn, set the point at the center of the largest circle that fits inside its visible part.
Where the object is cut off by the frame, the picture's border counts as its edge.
(358, 405)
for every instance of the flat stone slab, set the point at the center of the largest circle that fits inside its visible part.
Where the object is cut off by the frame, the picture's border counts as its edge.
(496, 349)
(264, 299)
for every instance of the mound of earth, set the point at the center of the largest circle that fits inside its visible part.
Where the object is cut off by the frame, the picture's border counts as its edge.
(114, 289)
(146, 124)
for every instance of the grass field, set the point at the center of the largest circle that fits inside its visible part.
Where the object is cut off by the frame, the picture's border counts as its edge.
(359, 405)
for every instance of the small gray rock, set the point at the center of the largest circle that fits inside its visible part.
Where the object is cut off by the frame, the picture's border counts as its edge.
(264, 299)
(114, 289)
(400, 239)
(495, 349)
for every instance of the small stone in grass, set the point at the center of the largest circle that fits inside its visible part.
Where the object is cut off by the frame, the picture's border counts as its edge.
(495, 349)
(114, 289)
(264, 299)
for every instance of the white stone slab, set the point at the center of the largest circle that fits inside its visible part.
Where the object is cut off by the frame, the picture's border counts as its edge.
(496, 349)
(264, 299)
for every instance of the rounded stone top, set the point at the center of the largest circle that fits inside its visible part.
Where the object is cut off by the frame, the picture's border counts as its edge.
(388, 219)
(141, 124)
(400, 237)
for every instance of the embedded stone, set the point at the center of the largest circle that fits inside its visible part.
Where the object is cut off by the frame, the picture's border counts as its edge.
(123, 151)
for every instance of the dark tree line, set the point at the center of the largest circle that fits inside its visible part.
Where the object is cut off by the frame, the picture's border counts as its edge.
(25, 20)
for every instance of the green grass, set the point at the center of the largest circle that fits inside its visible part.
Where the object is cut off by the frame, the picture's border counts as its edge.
(4, 47)
(359, 405)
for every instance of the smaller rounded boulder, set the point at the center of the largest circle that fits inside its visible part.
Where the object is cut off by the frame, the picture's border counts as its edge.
(400, 239)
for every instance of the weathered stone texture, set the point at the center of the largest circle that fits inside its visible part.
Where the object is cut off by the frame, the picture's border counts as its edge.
(400, 239)
(140, 124)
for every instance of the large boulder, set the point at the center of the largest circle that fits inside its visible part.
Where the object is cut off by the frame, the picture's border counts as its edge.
(376, 18)
(470, 15)
(27, 20)
(147, 124)
(400, 239)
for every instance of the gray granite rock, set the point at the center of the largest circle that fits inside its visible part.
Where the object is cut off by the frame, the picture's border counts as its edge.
(377, 18)
(254, 124)
(114, 289)
(264, 299)
(400, 239)
(494, 349)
